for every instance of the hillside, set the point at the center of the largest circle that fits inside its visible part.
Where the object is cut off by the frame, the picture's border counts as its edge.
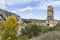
(33, 20)
(4, 15)
(36, 20)
(54, 35)
(7, 12)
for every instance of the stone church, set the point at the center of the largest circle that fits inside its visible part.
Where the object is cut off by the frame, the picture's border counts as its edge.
(50, 22)
(50, 17)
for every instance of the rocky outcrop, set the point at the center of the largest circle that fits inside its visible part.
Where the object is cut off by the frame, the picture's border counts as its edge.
(4, 15)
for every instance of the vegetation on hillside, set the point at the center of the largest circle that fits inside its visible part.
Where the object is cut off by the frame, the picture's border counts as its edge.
(31, 30)
(52, 35)
(33, 20)
(10, 27)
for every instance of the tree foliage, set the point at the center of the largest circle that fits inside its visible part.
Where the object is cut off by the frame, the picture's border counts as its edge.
(10, 28)
(31, 30)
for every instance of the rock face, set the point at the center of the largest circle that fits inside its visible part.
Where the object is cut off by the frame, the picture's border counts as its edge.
(4, 14)
(54, 35)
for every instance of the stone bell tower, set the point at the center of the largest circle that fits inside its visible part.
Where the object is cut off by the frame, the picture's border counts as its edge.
(50, 17)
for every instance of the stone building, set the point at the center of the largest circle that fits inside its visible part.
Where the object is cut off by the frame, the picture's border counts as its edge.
(50, 17)
(50, 22)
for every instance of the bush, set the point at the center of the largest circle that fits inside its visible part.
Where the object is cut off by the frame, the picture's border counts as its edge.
(10, 28)
(31, 30)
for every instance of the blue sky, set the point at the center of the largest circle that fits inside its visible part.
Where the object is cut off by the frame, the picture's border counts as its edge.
(31, 9)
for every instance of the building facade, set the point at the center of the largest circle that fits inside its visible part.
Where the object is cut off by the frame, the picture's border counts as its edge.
(50, 17)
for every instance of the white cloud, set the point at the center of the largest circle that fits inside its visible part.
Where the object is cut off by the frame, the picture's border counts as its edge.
(35, 0)
(26, 9)
(14, 2)
(43, 6)
(14, 11)
(32, 16)
(48, 3)
(22, 10)
(55, 3)
(2, 4)
(40, 6)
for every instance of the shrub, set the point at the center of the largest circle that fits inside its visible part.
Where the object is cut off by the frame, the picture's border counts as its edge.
(10, 28)
(31, 30)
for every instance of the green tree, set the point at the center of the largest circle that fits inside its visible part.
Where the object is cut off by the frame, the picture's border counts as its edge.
(10, 28)
(32, 30)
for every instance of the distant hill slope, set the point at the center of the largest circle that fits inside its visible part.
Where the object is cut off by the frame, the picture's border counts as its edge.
(38, 21)
(54, 35)
(58, 21)
(34, 20)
